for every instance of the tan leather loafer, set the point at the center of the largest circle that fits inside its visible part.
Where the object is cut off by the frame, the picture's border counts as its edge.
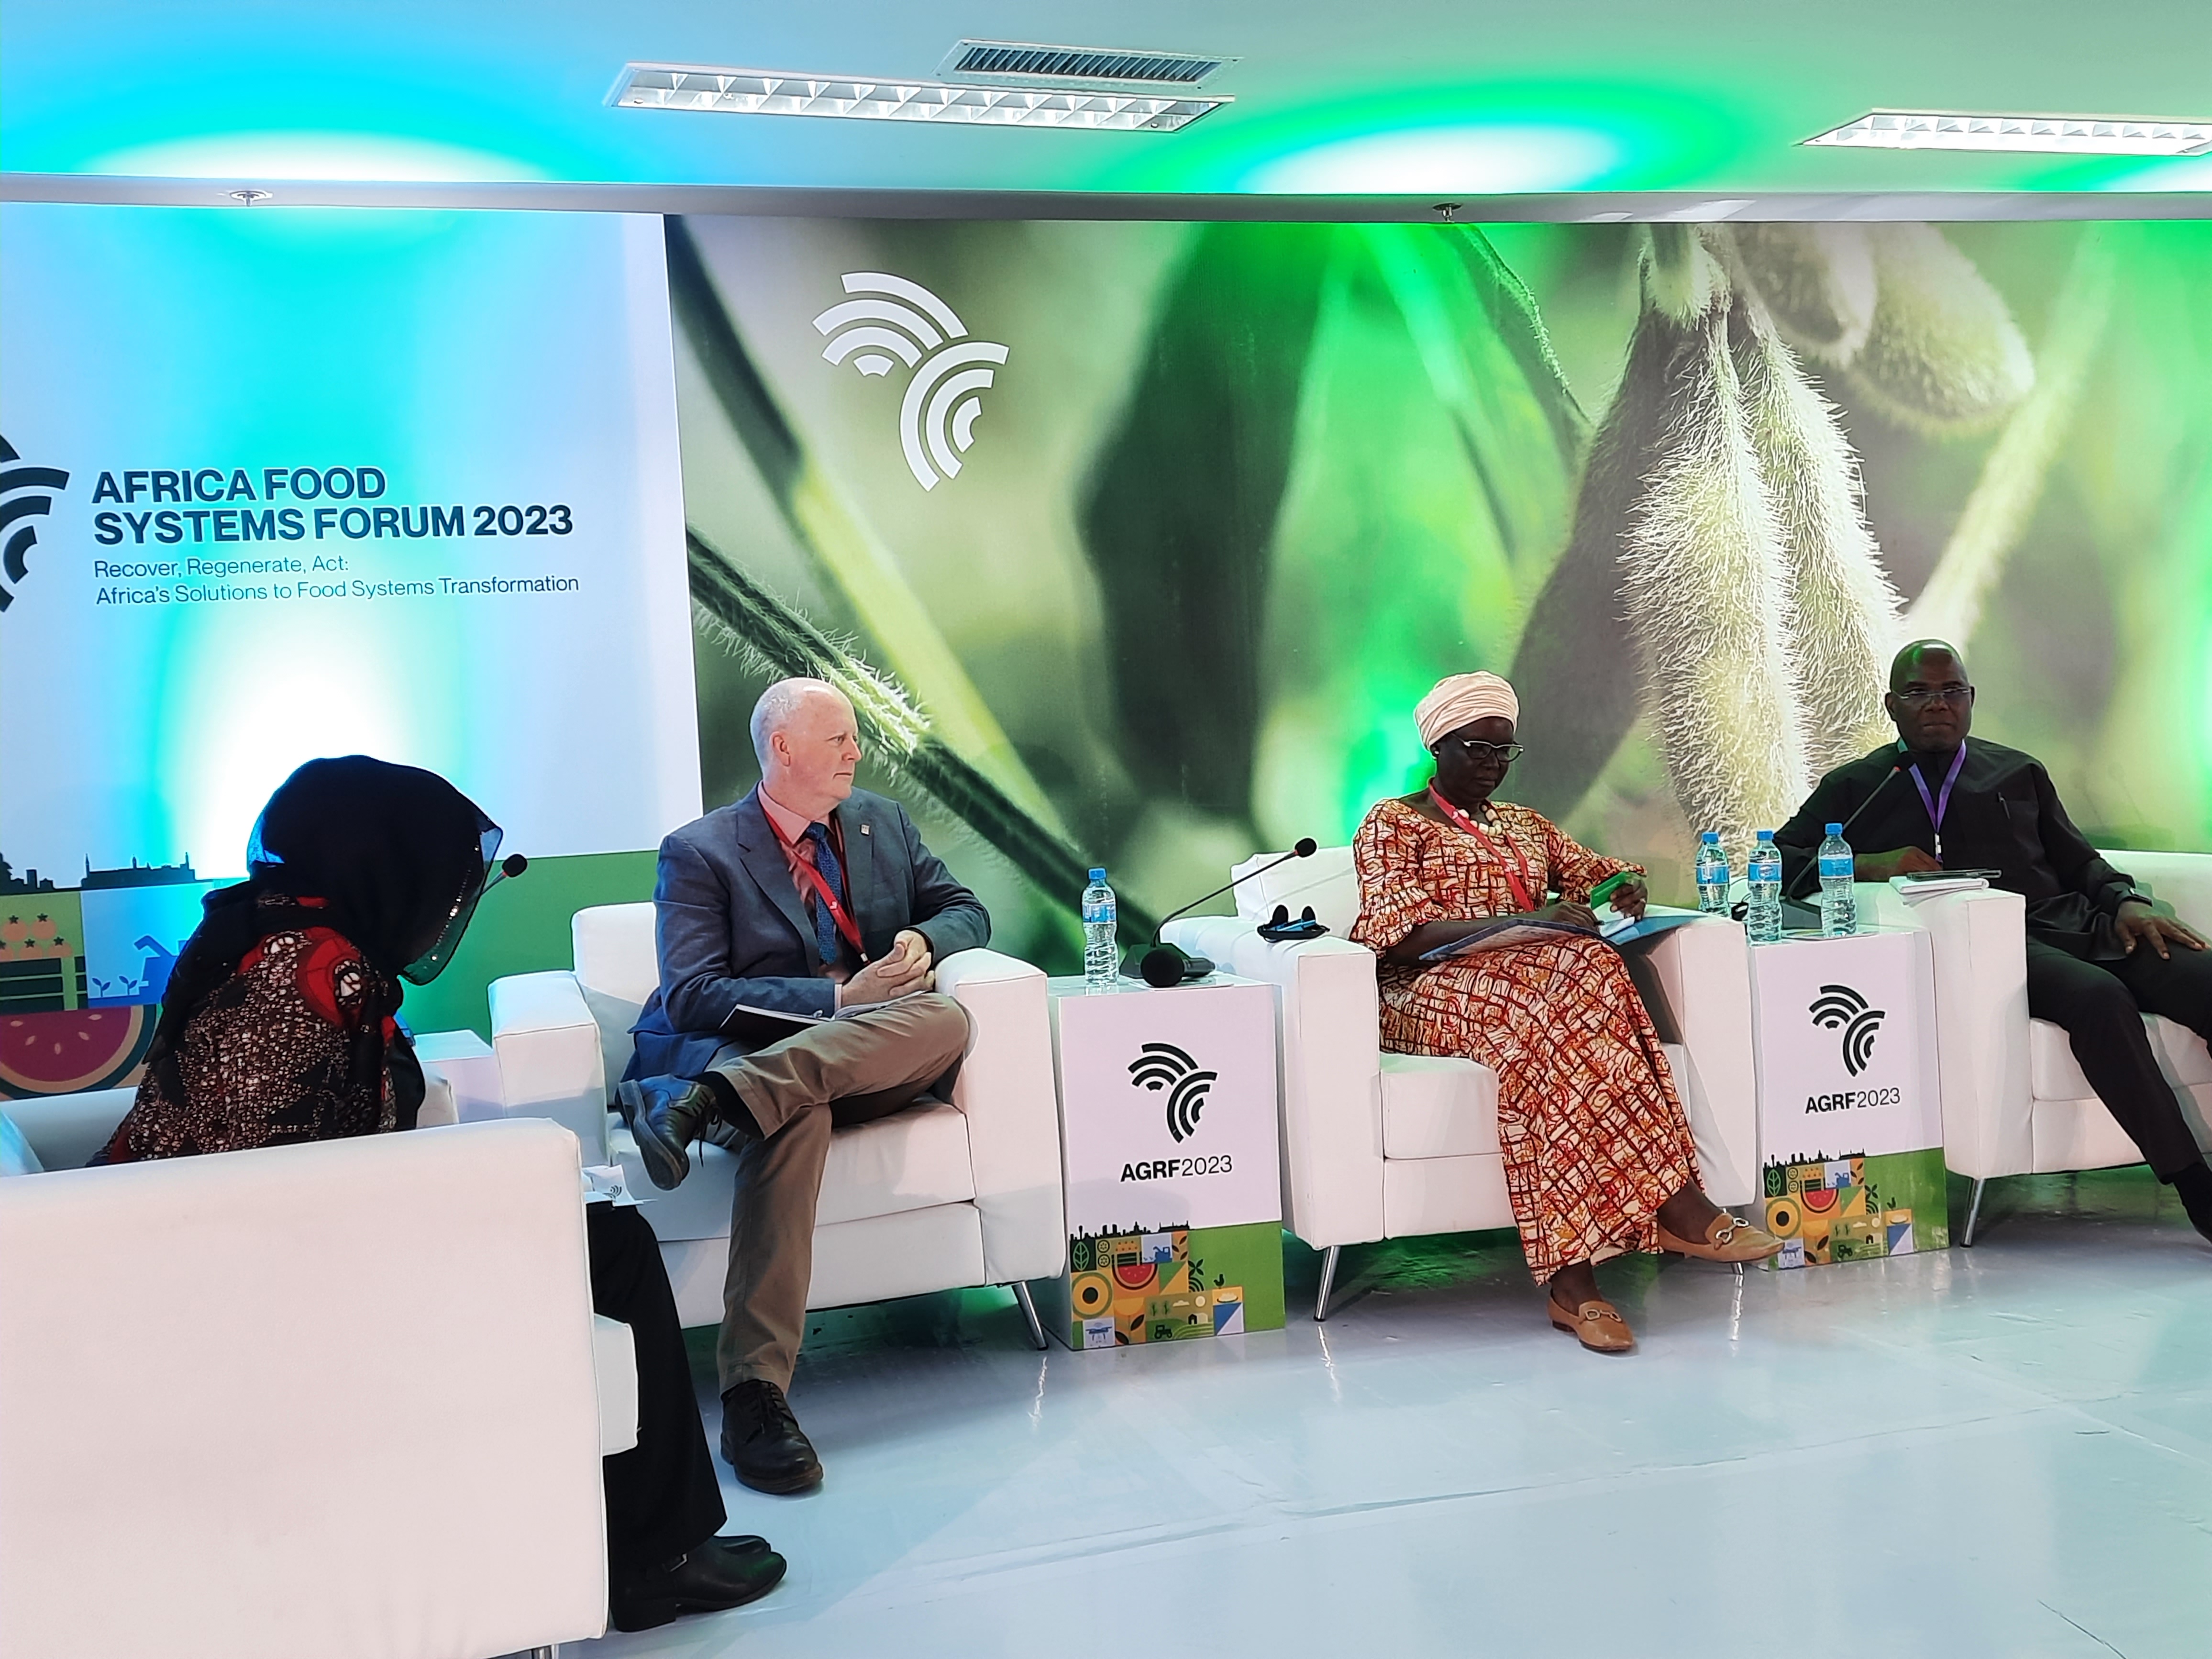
(1728, 1238)
(1597, 1326)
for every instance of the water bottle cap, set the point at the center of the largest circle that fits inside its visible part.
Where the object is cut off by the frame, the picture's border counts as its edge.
(1097, 875)
(1710, 836)
(1835, 829)
(1766, 834)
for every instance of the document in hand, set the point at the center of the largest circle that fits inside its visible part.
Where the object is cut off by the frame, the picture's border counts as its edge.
(1508, 931)
(762, 1026)
(1527, 930)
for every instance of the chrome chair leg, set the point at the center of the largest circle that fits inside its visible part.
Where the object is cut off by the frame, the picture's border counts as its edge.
(1030, 1313)
(1328, 1283)
(1973, 1213)
(553, 1652)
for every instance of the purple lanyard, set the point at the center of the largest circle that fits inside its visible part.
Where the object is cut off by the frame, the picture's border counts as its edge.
(1939, 804)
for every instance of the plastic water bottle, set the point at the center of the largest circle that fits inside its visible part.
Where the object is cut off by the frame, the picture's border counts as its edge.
(1839, 913)
(1763, 918)
(1712, 875)
(1102, 957)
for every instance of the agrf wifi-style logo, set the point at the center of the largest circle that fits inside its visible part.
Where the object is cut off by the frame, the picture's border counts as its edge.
(1163, 1065)
(1840, 1007)
(21, 500)
(891, 321)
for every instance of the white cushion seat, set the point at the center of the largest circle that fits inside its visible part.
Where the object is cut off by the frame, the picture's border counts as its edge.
(1437, 1106)
(910, 1160)
(2055, 1074)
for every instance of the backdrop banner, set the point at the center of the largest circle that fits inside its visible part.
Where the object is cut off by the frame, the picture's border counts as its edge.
(309, 483)
(278, 484)
(1149, 537)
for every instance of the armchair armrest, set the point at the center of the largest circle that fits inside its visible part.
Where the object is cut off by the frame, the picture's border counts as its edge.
(1979, 943)
(1005, 1090)
(438, 1107)
(2182, 880)
(65, 1130)
(1328, 1061)
(550, 1064)
(1704, 969)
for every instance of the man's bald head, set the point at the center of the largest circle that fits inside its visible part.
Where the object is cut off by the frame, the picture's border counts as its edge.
(808, 743)
(780, 703)
(1908, 663)
(1930, 698)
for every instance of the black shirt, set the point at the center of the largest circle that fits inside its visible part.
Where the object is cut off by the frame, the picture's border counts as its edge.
(2003, 816)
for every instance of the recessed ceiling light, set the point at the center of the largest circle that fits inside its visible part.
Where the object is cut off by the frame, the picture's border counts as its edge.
(771, 92)
(2046, 135)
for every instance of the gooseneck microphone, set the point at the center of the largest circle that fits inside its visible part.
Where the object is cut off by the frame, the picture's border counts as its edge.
(1813, 868)
(509, 868)
(1165, 965)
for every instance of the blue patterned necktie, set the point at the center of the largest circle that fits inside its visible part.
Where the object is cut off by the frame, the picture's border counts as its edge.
(825, 864)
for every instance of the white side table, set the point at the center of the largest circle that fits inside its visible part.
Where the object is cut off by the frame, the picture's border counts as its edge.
(1168, 1150)
(1850, 1121)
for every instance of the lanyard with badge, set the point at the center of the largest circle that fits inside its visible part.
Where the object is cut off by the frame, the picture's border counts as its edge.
(1940, 803)
(1515, 869)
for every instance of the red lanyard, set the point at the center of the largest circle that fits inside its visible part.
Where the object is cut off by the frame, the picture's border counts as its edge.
(824, 894)
(1516, 868)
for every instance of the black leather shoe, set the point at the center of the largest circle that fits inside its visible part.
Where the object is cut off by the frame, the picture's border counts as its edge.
(763, 1443)
(666, 1114)
(717, 1574)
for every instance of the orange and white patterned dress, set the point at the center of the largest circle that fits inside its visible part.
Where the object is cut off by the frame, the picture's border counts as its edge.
(1593, 1131)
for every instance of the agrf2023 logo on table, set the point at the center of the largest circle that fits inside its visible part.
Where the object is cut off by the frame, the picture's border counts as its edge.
(1164, 1068)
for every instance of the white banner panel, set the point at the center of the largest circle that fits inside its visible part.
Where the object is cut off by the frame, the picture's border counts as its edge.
(300, 482)
(1845, 1046)
(1167, 1105)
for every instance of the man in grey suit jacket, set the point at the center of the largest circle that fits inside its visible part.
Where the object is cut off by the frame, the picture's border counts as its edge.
(797, 931)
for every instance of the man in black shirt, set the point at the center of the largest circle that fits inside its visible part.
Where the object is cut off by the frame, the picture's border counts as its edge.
(2098, 957)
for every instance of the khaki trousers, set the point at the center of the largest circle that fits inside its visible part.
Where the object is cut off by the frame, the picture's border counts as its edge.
(850, 1070)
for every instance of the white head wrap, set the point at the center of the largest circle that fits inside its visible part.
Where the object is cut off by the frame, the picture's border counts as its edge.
(1458, 698)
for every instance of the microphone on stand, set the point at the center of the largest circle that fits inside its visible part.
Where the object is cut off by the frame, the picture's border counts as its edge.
(1166, 965)
(1813, 868)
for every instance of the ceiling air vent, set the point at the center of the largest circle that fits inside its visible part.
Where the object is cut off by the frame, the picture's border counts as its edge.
(1024, 63)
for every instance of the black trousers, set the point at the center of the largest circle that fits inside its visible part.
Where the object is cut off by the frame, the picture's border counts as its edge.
(662, 1496)
(2101, 1005)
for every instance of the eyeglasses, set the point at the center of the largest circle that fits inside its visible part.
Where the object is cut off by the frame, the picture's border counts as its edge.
(1476, 749)
(1959, 695)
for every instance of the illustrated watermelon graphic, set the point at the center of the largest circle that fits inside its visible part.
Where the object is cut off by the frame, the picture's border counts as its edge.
(1820, 1201)
(61, 1053)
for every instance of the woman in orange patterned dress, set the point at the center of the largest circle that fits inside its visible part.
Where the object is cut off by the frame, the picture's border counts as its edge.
(1598, 1155)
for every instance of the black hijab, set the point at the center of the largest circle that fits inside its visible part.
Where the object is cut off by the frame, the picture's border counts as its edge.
(394, 859)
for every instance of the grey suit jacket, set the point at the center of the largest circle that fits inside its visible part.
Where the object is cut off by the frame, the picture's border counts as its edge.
(731, 932)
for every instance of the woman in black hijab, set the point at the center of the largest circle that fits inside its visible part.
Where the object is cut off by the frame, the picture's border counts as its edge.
(280, 1025)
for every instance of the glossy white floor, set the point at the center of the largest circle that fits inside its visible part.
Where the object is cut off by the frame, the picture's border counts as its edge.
(2004, 1451)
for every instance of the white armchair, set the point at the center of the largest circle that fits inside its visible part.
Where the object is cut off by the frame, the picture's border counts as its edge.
(2015, 1099)
(353, 1391)
(938, 1197)
(1381, 1145)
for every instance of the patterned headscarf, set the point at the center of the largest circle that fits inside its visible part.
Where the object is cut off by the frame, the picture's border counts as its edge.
(1457, 699)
